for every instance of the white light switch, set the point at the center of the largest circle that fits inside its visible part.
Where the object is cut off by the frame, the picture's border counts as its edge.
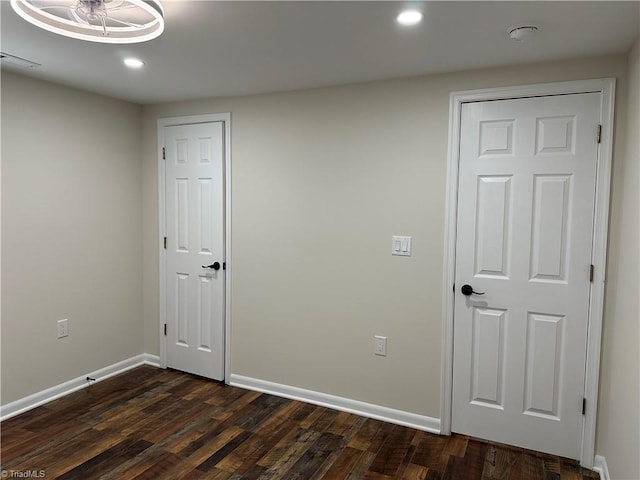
(401, 246)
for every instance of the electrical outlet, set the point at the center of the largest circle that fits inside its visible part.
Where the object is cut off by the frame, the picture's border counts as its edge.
(380, 346)
(63, 328)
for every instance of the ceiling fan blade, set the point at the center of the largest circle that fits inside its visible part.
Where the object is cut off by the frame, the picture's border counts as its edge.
(122, 6)
(128, 24)
(51, 7)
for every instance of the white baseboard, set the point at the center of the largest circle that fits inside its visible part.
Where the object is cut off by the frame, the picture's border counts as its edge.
(399, 417)
(149, 359)
(600, 466)
(35, 400)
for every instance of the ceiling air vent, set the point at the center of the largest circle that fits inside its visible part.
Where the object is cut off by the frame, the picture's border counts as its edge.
(13, 61)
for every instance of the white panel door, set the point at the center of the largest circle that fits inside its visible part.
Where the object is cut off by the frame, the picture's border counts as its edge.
(194, 192)
(524, 236)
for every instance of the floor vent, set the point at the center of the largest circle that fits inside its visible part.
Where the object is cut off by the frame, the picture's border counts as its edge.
(12, 60)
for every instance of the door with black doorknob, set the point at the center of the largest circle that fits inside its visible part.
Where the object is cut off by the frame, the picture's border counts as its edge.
(526, 194)
(194, 192)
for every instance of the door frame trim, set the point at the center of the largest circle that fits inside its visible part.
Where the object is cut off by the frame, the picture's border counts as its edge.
(162, 285)
(606, 88)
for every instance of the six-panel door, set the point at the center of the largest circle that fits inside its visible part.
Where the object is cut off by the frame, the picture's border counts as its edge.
(195, 240)
(524, 237)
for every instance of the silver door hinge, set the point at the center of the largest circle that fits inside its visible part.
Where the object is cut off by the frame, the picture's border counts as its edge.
(599, 134)
(584, 406)
(165, 328)
(591, 273)
(164, 153)
(165, 243)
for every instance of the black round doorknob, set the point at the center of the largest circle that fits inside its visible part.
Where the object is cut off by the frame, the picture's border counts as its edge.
(468, 290)
(214, 265)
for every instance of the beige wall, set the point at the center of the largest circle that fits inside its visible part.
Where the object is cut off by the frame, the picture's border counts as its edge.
(321, 180)
(619, 413)
(71, 234)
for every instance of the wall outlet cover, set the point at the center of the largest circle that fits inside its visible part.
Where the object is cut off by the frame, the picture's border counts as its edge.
(380, 346)
(63, 328)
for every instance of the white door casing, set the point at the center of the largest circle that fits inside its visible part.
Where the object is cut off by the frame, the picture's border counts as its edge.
(195, 238)
(605, 88)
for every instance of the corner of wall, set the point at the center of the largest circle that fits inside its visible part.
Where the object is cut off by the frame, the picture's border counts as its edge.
(71, 233)
(618, 427)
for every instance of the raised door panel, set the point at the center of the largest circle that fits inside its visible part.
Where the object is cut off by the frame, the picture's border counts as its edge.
(182, 309)
(181, 234)
(496, 137)
(182, 151)
(205, 305)
(551, 227)
(205, 145)
(488, 348)
(205, 221)
(555, 135)
(543, 371)
(493, 214)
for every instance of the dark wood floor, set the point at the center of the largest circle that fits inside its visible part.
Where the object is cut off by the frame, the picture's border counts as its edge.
(161, 424)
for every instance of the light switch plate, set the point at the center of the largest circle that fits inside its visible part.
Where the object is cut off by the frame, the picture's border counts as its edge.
(401, 246)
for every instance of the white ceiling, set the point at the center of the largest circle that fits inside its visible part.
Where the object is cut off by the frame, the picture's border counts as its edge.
(213, 48)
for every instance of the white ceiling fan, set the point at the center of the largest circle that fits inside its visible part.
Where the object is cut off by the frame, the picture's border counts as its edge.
(105, 21)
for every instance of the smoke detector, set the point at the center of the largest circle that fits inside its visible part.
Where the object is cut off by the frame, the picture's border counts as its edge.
(523, 33)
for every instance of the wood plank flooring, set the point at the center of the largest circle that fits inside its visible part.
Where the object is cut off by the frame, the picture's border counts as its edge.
(159, 424)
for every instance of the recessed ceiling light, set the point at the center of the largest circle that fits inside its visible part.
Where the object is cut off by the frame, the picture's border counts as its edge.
(409, 17)
(133, 62)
